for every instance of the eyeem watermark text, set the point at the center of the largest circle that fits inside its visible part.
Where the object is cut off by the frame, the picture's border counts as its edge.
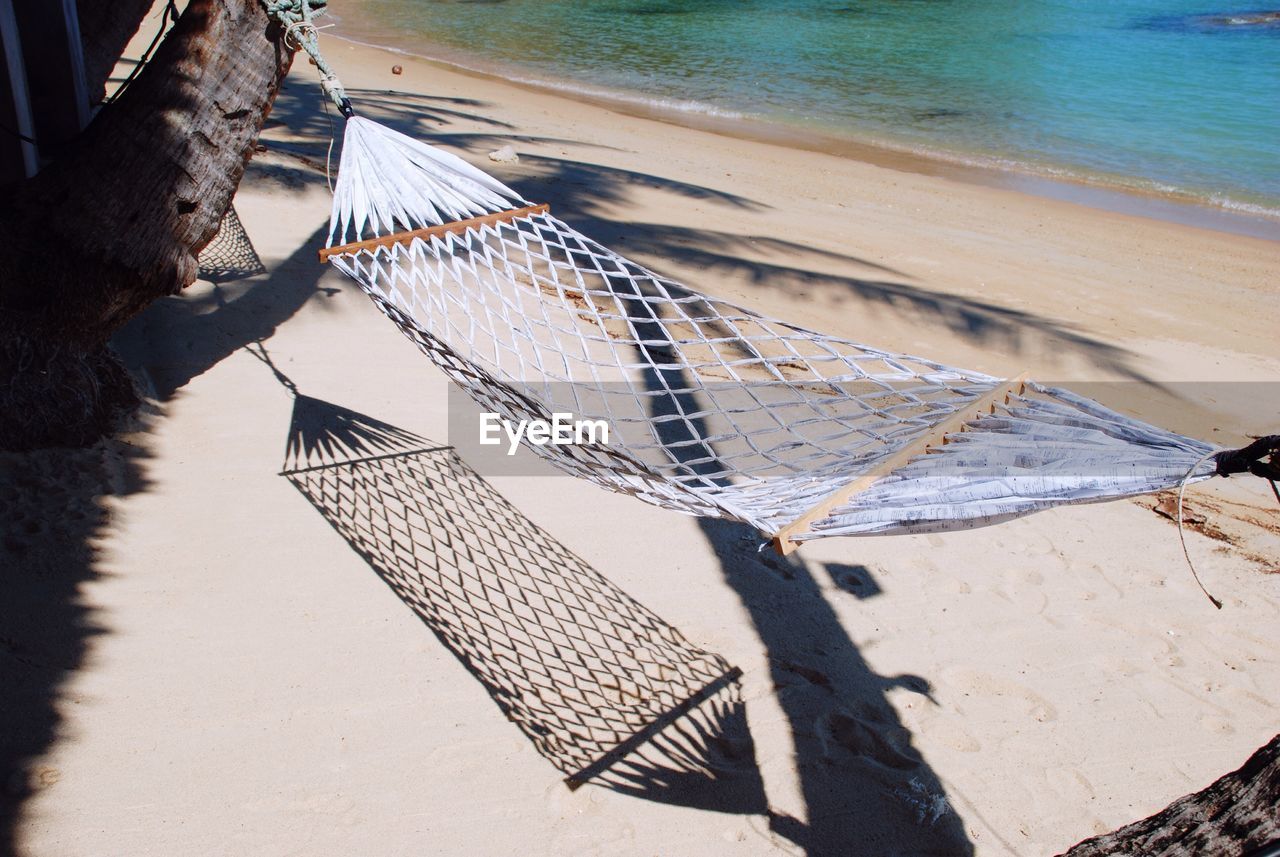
(561, 430)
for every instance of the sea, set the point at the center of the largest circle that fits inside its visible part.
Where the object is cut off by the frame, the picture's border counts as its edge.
(1175, 98)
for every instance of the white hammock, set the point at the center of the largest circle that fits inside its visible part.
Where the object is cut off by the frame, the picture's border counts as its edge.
(713, 409)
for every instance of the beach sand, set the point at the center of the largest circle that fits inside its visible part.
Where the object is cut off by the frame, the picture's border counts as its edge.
(206, 666)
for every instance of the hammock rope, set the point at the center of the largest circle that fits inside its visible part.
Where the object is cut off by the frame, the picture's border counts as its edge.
(713, 409)
(300, 33)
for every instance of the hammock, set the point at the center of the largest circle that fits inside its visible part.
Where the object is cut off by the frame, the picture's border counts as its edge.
(713, 409)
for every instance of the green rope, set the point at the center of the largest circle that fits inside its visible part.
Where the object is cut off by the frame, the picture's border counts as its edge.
(300, 33)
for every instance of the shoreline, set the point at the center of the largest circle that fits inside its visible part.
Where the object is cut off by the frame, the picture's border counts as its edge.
(1180, 207)
(1006, 280)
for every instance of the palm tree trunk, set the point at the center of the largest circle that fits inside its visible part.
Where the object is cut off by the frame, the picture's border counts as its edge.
(1237, 815)
(116, 222)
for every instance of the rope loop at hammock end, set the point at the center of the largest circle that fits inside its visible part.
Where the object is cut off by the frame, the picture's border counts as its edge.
(1261, 458)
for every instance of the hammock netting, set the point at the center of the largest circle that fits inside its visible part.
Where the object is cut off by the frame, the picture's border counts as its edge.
(713, 409)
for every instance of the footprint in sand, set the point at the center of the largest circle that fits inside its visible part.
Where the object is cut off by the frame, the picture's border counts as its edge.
(1044, 713)
(1111, 665)
(946, 584)
(982, 684)
(942, 730)
(1241, 699)
(1071, 786)
(813, 676)
(1090, 580)
(1160, 647)
(1030, 577)
(862, 738)
(1216, 724)
(1025, 588)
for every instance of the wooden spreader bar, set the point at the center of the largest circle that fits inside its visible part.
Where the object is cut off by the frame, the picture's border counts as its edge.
(985, 404)
(430, 232)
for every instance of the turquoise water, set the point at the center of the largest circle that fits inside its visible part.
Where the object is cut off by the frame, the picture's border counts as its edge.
(1173, 96)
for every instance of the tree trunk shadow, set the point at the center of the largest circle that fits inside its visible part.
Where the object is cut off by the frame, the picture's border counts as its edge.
(51, 515)
(867, 790)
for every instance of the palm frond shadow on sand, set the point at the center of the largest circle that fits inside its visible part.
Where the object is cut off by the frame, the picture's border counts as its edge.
(607, 691)
(590, 194)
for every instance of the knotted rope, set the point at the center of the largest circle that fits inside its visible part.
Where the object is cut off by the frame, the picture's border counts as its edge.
(1250, 459)
(1261, 458)
(300, 33)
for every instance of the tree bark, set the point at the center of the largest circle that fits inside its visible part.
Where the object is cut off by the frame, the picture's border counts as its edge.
(1238, 814)
(116, 222)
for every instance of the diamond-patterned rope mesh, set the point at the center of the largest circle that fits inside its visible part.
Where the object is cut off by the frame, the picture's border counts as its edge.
(587, 673)
(230, 255)
(713, 409)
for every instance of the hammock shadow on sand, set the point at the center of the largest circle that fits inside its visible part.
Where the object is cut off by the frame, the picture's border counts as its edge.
(603, 688)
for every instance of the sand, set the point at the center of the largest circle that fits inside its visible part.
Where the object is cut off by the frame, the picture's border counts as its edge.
(205, 666)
